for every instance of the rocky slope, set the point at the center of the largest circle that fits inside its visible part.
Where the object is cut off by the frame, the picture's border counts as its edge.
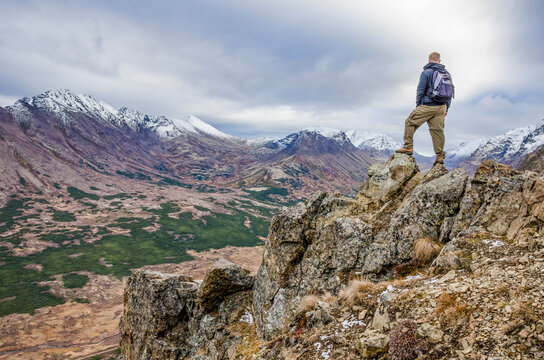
(418, 264)
(534, 161)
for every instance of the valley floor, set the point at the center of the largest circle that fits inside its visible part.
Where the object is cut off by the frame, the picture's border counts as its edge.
(80, 330)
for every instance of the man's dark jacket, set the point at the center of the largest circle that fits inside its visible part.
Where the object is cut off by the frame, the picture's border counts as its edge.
(425, 83)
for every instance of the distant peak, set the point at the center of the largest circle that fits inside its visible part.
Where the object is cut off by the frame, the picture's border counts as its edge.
(64, 103)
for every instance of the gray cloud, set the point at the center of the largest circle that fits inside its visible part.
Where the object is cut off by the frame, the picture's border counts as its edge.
(267, 68)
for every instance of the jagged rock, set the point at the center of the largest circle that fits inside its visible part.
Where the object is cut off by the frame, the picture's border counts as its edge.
(373, 344)
(319, 315)
(420, 216)
(512, 203)
(381, 319)
(167, 317)
(385, 180)
(445, 229)
(448, 258)
(316, 246)
(430, 332)
(223, 279)
(156, 314)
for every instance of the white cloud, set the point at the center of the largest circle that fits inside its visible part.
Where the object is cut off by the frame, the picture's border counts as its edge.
(273, 67)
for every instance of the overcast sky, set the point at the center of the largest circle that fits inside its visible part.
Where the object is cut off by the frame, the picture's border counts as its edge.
(267, 68)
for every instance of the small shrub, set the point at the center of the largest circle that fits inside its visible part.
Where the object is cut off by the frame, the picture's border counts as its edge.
(73, 280)
(328, 298)
(63, 216)
(404, 343)
(77, 194)
(452, 309)
(405, 268)
(425, 250)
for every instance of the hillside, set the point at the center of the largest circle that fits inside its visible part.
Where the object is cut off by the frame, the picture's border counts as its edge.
(534, 161)
(75, 140)
(509, 148)
(430, 265)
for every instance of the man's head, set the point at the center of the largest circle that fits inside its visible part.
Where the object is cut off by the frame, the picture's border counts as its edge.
(434, 57)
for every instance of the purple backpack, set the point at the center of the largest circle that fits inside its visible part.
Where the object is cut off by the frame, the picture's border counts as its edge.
(441, 89)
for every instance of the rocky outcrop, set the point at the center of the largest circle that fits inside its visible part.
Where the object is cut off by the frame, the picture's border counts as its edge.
(172, 317)
(317, 246)
(317, 249)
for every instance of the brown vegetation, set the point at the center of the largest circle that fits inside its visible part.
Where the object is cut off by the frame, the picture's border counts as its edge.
(357, 292)
(425, 250)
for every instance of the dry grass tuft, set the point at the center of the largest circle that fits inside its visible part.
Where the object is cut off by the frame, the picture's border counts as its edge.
(501, 290)
(328, 298)
(356, 292)
(307, 303)
(425, 250)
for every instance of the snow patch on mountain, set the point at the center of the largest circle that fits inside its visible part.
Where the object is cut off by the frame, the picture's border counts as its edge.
(381, 143)
(370, 140)
(464, 149)
(514, 144)
(324, 130)
(63, 104)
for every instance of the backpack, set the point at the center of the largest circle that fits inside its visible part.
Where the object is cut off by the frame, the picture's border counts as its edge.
(441, 89)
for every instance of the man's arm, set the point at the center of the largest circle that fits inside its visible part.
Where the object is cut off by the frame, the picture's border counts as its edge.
(421, 87)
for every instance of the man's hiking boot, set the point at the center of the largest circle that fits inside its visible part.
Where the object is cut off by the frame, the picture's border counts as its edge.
(405, 150)
(439, 159)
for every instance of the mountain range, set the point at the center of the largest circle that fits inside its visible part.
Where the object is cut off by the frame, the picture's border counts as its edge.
(59, 136)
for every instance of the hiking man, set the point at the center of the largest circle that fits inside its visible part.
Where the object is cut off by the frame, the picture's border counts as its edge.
(434, 93)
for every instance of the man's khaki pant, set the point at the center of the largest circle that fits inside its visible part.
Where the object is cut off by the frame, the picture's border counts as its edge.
(434, 117)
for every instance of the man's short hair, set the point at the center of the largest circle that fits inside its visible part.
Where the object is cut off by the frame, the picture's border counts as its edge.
(434, 56)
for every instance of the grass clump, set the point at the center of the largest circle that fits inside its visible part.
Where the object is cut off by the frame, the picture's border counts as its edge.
(264, 195)
(452, 310)
(356, 293)
(73, 280)
(425, 250)
(307, 303)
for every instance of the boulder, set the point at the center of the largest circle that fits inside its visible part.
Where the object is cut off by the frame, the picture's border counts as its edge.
(386, 179)
(373, 344)
(156, 313)
(224, 278)
(168, 316)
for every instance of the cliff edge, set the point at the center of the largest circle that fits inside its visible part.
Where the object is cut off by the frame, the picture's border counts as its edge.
(424, 265)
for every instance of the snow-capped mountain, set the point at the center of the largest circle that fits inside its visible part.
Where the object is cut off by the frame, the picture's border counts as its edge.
(509, 148)
(66, 106)
(460, 152)
(366, 141)
(328, 132)
(369, 139)
(380, 142)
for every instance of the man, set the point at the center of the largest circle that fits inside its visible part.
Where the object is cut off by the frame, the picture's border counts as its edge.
(428, 110)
